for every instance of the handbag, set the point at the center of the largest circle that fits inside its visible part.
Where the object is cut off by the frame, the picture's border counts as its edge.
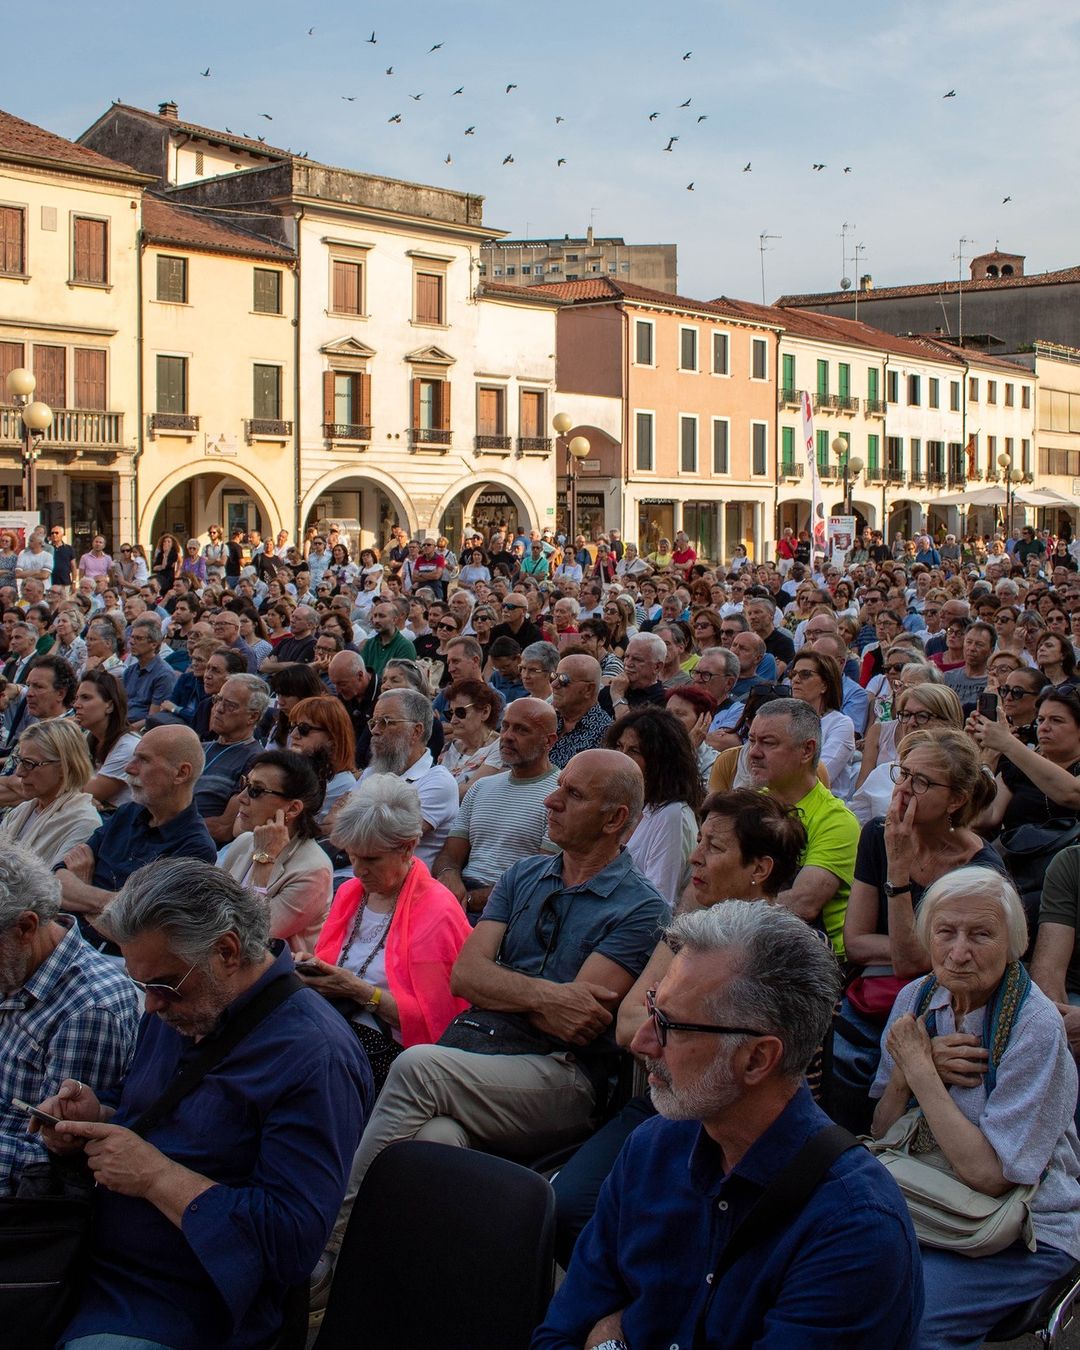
(1026, 851)
(44, 1227)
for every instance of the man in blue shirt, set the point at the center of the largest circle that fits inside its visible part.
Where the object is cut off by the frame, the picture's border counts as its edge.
(731, 1030)
(203, 1226)
(148, 680)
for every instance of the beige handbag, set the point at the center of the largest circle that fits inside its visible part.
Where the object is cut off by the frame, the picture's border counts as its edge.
(945, 1211)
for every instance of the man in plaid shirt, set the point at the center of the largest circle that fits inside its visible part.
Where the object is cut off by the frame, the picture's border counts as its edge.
(65, 1011)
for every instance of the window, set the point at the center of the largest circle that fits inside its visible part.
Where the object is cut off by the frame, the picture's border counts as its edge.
(267, 293)
(892, 386)
(91, 252)
(50, 371)
(11, 358)
(348, 287)
(490, 410)
(759, 446)
(172, 280)
(973, 390)
(991, 391)
(1025, 453)
(430, 288)
(873, 384)
(759, 359)
(511, 271)
(1025, 396)
(1010, 395)
(613, 267)
(992, 454)
(13, 240)
(954, 395)
(822, 438)
(570, 257)
(532, 416)
(935, 393)
(172, 384)
(914, 391)
(720, 348)
(721, 441)
(787, 385)
(787, 449)
(90, 378)
(823, 379)
(916, 455)
(1009, 446)
(554, 268)
(643, 439)
(843, 381)
(266, 399)
(431, 408)
(346, 404)
(688, 349)
(643, 342)
(688, 444)
(894, 449)
(873, 452)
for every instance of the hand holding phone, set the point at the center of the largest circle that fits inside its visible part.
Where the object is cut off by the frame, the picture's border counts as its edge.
(988, 705)
(35, 1112)
(309, 968)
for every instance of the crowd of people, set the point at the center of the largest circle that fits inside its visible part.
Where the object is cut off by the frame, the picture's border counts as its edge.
(421, 843)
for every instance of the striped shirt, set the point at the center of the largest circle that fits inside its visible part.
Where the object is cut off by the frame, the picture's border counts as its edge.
(75, 1017)
(503, 820)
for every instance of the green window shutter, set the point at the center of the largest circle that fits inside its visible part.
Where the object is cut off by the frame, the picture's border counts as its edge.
(787, 446)
(267, 392)
(873, 451)
(844, 376)
(823, 379)
(789, 371)
(171, 384)
(267, 291)
(721, 459)
(822, 449)
(872, 383)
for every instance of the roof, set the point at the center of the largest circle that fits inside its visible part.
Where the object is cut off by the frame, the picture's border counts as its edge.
(23, 142)
(565, 241)
(168, 223)
(1060, 277)
(249, 143)
(967, 355)
(598, 290)
(524, 295)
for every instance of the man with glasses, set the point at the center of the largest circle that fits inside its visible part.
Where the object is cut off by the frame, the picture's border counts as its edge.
(238, 708)
(951, 611)
(201, 1232)
(64, 572)
(731, 1031)
(226, 628)
(581, 720)
(147, 680)
(516, 622)
(716, 672)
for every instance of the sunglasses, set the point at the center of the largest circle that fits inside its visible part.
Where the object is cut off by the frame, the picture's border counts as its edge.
(305, 728)
(459, 713)
(257, 790)
(512, 607)
(446, 628)
(169, 993)
(662, 1024)
(1015, 691)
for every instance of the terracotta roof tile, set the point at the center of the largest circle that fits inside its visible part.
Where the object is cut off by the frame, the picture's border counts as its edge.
(1063, 275)
(597, 289)
(166, 223)
(24, 140)
(249, 143)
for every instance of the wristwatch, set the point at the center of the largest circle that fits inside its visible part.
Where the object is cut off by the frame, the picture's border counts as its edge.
(613, 1344)
(891, 890)
(262, 856)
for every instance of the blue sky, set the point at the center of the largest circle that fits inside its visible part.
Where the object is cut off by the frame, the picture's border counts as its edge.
(781, 84)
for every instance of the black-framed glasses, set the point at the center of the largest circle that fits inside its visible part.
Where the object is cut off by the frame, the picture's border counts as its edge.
(21, 762)
(305, 728)
(461, 711)
(170, 993)
(662, 1024)
(918, 717)
(918, 782)
(257, 790)
(1015, 691)
(446, 628)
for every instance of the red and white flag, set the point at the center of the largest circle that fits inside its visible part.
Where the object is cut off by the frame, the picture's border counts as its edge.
(817, 508)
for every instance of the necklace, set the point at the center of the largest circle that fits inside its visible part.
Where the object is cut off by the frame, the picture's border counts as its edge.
(380, 940)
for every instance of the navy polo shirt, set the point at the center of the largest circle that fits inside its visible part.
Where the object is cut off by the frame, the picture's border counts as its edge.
(127, 841)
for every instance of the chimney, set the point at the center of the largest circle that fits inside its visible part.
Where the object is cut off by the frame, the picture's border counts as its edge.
(169, 110)
(866, 282)
(589, 236)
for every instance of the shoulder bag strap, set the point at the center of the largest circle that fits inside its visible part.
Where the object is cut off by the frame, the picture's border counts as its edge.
(212, 1052)
(783, 1198)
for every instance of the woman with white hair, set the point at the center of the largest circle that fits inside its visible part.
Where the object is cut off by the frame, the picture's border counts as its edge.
(975, 1058)
(53, 768)
(393, 934)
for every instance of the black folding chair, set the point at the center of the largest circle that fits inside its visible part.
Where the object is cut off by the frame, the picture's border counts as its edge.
(446, 1247)
(1045, 1317)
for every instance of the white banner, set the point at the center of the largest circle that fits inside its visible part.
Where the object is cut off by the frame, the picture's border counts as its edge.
(841, 537)
(817, 508)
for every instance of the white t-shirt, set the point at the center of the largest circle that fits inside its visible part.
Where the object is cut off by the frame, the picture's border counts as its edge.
(661, 846)
(116, 761)
(438, 803)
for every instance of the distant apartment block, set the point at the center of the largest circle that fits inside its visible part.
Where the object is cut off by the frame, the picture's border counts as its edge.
(529, 262)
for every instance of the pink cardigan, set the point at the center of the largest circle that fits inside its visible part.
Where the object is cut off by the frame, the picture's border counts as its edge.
(427, 932)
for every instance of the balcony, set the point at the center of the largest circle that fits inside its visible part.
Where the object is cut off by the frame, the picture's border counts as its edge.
(935, 478)
(875, 475)
(957, 477)
(789, 398)
(436, 437)
(846, 404)
(829, 471)
(71, 427)
(347, 431)
(534, 445)
(895, 475)
(266, 429)
(789, 469)
(823, 401)
(874, 407)
(488, 442)
(916, 478)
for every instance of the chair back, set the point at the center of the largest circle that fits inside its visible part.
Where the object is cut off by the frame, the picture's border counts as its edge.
(446, 1247)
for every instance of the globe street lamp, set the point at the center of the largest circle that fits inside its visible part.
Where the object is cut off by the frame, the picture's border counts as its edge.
(37, 418)
(1010, 476)
(852, 466)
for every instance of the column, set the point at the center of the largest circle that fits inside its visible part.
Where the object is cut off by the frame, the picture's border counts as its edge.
(721, 533)
(759, 531)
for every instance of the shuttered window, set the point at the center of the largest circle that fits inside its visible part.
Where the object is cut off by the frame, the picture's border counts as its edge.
(721, 437)
(431, 405)
(823, 379)
(50, 371)
(266, 401)
(172, 384)
(346, 403)
(348, 286)
(429, 297)
(532, 412)
(720, 347)
(643, 342)
(490, 412)
(759, 447)
(12, 239)
(91, 250)
(90, 377)
(11, 358)
(688, 349)
(688, 444)
(643, 429)
(267, 292)
(172, 280)
(787, 449)
(759, 359)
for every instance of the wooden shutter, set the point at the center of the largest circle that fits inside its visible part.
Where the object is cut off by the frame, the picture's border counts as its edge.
(823, 378)
(364, 382)
(91, 243)
(531, 405)
(328, 398)
(11, 358)
(443, 389)
(12, 221)
(415, 404)
(171, 384)
(49, 371)
(487, 413)
(346, 280)
(90, 377)
(428, 297)
(172, 280)
(844, 380)
(267, 292)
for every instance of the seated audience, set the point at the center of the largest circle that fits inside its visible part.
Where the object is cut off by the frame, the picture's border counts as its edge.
(918, 706)
(148, 680)
(581, 721)
(238, 709)
(815, 679)
(473, 751)
(101, 711)
(320, 729)
(695, 707)
(52, 769)
(289, 685)
(640, 682)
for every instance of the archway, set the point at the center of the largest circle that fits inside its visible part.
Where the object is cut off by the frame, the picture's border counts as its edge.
(186, 503)
(483, 503)
(365, 507)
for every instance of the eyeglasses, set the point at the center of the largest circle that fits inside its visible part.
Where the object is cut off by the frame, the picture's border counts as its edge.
(564, 681)
(456, 714)
(919, 718)
(305, 728)
(125, 550)
(662, 1024)
(256, 790)
(803, 674)
(1015, 691)
(446, 628)
(227, 705)
(383, 722)
(21, 762)
(895, 668)
(704, 676)
(918, 782)
(507, 608)
(170, 993)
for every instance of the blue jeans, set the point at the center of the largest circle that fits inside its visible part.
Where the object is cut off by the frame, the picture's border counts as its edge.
(965, 1296)
(107, 1340)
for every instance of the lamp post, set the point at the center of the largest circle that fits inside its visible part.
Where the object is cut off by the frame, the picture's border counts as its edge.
(37, 418)
(852, 465)
(1010, 476)
(577, 448)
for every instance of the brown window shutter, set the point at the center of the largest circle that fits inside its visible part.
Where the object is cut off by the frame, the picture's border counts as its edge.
(346, 299)
(415, 403)
(89, 378)
(328, 408)
(11, 358)
(91, 243)
(49, 364)
(444, 405)
(428, 298)
(364, 380)
(11, 239)
(530, 413)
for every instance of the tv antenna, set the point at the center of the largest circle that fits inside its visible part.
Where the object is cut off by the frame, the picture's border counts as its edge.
(763, 244)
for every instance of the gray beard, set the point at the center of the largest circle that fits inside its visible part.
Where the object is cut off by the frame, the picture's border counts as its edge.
(714, 1092)
(393, 759)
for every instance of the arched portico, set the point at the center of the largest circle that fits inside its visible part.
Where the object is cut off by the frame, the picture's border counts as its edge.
(371, 497)
(190, 500)
(483, 499)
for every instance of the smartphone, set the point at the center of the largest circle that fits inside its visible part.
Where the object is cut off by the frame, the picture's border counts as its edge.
(35, 1111)
(308, 968)
(988, 705)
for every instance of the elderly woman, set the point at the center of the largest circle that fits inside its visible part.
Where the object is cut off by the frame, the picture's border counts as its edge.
(389, 943)
(53, 767)
(925, 704)
(680, 658)
(982, 1054)
(472, 712)
(320, 729)
(69, 645)
(538, 664)
(274, 849)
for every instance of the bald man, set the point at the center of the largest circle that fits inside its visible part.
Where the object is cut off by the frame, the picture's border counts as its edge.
(502, 817)
(355, 687)
(516, 622)
(582, 720)
(160, 822)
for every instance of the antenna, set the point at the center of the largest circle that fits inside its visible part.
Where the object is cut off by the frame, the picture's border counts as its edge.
(859, 248)
(960, 291)
(843, 251)
(763, 239)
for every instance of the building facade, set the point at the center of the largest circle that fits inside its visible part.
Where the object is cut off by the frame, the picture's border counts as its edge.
(532, 262)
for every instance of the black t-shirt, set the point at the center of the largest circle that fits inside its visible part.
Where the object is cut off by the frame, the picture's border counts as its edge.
(63, 557)
(295, 649)
(880, 553)
(780, 645)
(1030, 805)
(527, 634)
(236, 558)
(426, 646)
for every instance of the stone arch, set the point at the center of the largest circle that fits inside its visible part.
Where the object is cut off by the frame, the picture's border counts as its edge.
(378, 477)
(274, 516)
(529, 516)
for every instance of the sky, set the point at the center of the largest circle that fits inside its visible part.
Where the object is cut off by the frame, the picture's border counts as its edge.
(779, 84)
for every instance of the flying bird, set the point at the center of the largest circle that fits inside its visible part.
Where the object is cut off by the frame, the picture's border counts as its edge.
(396, 118)
(686, 104)
(311, 32)
(459, 90)
(205, 73)
(389, 70)
(817, 168)
(510, 86)
(559, 119)
(449, 159)
(559, 163)
(349, 98)
(372, 38)
(688, 56)
(509, 159)
(1005, 199)
(263, 139)
(690, 187)
(671, 143)
(746, 167)
(469, 131)
(435, 48)
(847, 168)
(653, 117)
(267, 116)
(950, 94)
(703, 117)
(416, 97)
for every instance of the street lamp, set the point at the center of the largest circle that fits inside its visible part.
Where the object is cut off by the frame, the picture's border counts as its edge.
(852, 466)
(37, 418)
(577, 448)
(1010, 476)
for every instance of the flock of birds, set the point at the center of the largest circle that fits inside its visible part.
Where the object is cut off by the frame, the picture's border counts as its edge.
(398, 118)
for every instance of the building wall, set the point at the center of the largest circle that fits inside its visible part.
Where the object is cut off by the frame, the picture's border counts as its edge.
(516, 262)
(590, 351)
